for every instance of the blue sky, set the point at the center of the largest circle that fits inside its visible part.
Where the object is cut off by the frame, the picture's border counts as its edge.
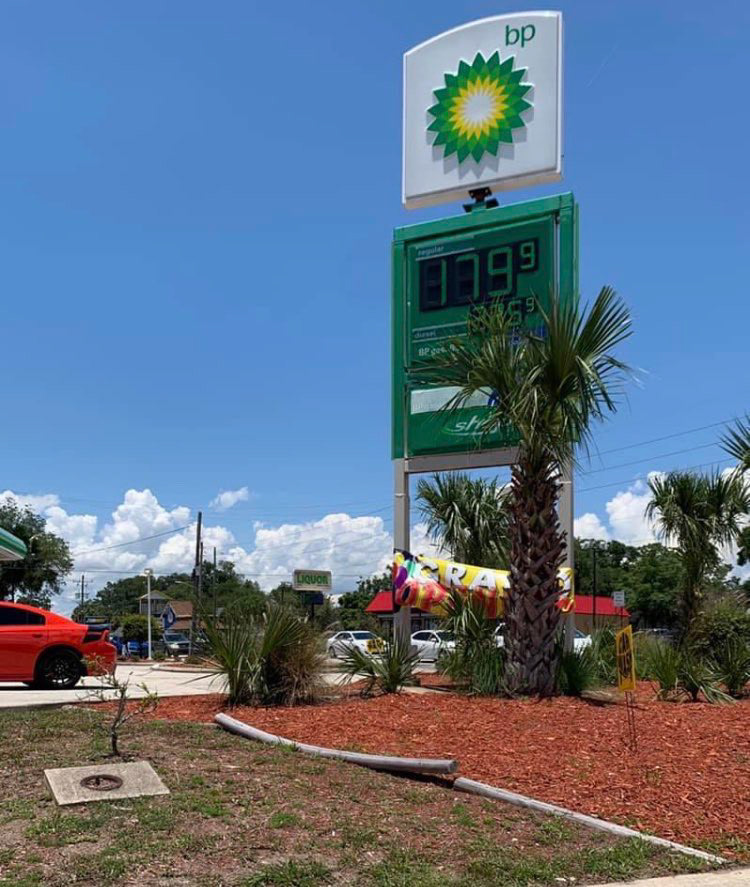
(186, 312)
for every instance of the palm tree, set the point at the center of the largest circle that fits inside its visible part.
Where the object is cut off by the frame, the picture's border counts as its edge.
(699, 514)
(552, 388)
(468, 517)
(736, 442)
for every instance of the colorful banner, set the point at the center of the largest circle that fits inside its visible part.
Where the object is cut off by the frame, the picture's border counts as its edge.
(425, 582)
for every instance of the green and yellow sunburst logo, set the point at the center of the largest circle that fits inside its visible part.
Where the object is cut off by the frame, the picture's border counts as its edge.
(479, 107)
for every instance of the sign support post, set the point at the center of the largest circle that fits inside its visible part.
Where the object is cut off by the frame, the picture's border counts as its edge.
(401, 539)
(565, 511)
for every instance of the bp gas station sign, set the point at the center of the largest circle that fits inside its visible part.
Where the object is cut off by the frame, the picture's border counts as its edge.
(482, 112)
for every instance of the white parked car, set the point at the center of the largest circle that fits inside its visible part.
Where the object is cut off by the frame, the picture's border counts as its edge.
(580, 640)
(365, 641)
(430, 643)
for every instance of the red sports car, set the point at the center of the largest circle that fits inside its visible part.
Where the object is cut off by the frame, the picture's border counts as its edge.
(43, 649)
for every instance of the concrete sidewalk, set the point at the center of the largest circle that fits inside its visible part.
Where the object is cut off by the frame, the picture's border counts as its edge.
(736, 878)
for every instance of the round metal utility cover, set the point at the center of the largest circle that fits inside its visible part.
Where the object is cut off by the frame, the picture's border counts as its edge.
(101, 782)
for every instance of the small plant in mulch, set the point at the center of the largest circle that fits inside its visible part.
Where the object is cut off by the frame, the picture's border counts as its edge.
(389, 672)
(122, 712)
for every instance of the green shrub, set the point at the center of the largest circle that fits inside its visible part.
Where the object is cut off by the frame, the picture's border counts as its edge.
(604, 655)
(662, 664)
(721, 621)
(577, 671)
(387, 672)
(477, 664)
(683, 672)
(272, 658)
(732, 660)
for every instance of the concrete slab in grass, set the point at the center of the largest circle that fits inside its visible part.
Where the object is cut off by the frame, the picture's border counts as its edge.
(103, 782)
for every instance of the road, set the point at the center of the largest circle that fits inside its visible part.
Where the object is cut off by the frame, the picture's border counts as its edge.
(157, 677)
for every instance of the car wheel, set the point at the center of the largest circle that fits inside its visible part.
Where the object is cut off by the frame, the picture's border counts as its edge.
(59, 671)
(332, 653)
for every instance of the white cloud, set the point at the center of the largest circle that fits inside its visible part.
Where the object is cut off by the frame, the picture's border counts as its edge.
(228, 498)
(588, 526)
(627, 517)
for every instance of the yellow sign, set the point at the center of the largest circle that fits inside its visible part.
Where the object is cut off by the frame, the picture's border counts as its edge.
(625, 660)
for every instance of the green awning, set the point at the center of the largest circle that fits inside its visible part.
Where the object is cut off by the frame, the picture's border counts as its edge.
(11, 547)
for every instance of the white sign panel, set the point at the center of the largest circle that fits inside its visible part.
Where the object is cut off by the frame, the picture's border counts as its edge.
(618, 598)
(482, 108)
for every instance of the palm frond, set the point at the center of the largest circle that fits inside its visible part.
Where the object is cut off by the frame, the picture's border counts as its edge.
(736, 442)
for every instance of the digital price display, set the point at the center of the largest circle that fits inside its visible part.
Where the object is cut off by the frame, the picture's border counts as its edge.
(509, 258)
(511, 266)
(474, 278)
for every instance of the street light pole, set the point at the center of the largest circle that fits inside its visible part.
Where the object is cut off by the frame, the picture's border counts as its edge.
(148, 574)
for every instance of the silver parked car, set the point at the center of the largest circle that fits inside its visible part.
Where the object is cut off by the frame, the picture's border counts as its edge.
(430, 643)
(365, 641)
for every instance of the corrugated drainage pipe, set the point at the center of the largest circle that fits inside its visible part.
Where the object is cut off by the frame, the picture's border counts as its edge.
(374, 762)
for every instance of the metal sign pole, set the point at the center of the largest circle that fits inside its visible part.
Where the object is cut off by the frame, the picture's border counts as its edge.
(565, 512)
(401, 505)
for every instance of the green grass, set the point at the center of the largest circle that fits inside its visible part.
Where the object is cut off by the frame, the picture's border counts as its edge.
(289, 874)
(283, 820)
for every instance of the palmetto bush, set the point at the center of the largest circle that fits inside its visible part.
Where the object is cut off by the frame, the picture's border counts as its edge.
(476, 664)
(681, 672)
(386, 672)
(604, 655)
(732, 662)
(272, 658)
(578, 672)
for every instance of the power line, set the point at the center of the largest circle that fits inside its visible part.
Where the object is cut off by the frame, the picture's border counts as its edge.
(649, 458)
(132, 542)
(637, 477)
(643, 443)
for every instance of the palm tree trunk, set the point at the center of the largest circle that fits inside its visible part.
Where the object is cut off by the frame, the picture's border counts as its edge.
(537, 553)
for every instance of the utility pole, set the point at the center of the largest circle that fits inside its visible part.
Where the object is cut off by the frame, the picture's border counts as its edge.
(213, 583)
(148, 574)
(593, 582)
(83, 588)
(197, 579)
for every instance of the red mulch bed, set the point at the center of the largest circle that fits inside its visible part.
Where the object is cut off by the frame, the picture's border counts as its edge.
(688, 781)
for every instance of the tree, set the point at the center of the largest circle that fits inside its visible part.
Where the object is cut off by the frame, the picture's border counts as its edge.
(743, 547)
(352, 605)
(468, 517)
(551, 389)
(135, 628)
(42, 572)
(700, 514)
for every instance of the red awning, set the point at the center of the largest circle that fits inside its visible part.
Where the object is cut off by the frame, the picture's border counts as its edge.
(381, 603)
(584, 606)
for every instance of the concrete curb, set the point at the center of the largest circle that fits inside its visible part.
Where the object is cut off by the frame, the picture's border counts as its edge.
(489, 791)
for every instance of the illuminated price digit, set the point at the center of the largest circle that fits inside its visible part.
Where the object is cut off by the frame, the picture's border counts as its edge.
(527, 252)
(467, 279)
(500, 269)
(435, 284)
(514, 311)
(530, 305)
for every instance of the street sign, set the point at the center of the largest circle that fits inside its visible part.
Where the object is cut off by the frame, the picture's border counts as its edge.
(515, 256)
(618, 598)
(312, 580)
(483, 108)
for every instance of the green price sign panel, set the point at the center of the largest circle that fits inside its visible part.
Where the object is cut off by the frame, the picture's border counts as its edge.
(514, 257)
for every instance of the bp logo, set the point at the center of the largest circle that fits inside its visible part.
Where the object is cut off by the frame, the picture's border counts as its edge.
(479, 107)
